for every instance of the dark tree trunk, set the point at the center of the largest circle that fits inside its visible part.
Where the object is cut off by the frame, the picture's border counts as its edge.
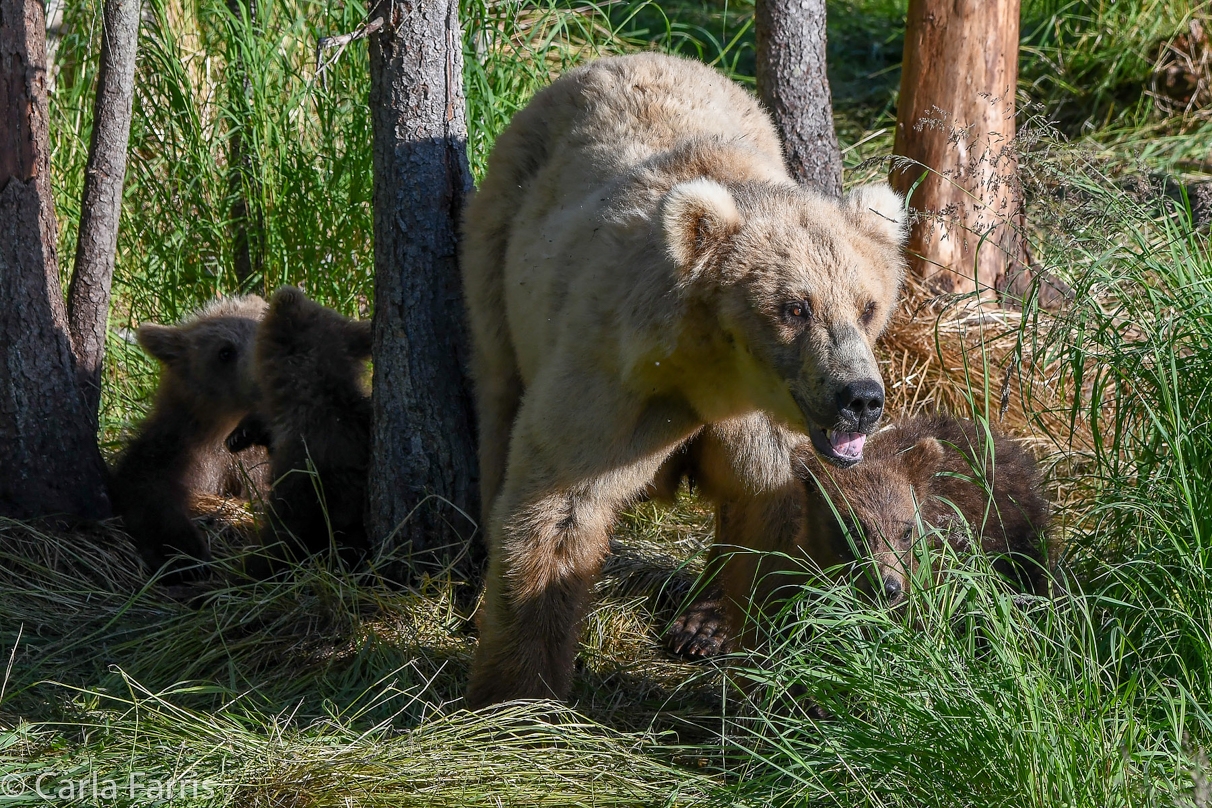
(49, 462)
(101, 205)
(243, 181)
(423, 460)
(793, 85)
(955, 116)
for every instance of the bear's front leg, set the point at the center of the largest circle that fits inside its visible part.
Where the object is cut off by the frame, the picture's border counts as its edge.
(566, 480)
(540, 571)
(744, 466)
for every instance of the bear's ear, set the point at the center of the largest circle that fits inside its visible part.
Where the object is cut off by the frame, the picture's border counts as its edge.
(880, 212)
(359, 338)
(164, 342)
(285, 309)
(286, 300)
(699, 218)
(921, 459)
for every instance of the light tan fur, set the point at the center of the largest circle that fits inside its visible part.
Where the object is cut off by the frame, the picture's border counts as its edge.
(628, 263)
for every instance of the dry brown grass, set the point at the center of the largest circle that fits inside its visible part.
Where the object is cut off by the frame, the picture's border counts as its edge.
(969, 357)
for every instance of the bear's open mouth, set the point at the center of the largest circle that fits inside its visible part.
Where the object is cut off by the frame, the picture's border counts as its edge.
(841, 448)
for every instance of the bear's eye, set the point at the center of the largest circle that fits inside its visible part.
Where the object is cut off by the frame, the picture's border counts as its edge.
(226, 354)
(907, 534)
(869, 313)
(798, 310)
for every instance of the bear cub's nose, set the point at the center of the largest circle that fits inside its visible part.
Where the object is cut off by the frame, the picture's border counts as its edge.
(892, 589)
(861, 404)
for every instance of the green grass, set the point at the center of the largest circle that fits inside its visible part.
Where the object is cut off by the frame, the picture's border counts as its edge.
(333, 689)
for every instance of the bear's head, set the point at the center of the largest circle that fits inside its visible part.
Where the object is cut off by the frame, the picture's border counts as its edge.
(302, 343)
(802, 285)
(871, 512)
(207, 359)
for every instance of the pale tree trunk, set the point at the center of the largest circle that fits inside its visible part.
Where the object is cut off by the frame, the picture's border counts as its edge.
(792, 83)
(49, 461)
(101, 205)
(423, 461)
(955, 117)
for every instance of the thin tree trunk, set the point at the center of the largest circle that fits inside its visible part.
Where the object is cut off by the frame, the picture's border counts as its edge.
(48, 452)
(423, 450)
(101, 205)
(794, 86)
(243, 182)
(955, 116)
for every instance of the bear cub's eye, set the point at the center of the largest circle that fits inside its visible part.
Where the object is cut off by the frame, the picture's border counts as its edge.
(226, 354)
(869, 313)
(798, 310)
(907, 534)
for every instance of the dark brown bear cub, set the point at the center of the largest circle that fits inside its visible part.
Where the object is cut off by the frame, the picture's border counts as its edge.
(312, 365)
(934, 472)
(940, 473)
(206, 386)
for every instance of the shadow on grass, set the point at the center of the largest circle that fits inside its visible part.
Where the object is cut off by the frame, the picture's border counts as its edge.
(80, 621)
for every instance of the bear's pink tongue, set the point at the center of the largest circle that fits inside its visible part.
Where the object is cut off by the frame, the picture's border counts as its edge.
(847, 444)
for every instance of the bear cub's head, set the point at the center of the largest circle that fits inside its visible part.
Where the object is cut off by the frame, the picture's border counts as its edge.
(302, 344)
(873, 509)
(802, 286)
(207, 359)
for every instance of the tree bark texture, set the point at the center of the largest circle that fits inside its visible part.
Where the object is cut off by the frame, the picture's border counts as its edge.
(423, 457)
(955, 117)
(101, 205)
(49, 461)
(793, 84)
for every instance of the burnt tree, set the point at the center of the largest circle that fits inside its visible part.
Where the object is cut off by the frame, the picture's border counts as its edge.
(101, 204)
(955, 124)
(792, 83)
(423, 462)
(48, 452)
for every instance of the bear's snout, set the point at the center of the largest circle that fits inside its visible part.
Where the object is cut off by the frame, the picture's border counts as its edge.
(860, 405)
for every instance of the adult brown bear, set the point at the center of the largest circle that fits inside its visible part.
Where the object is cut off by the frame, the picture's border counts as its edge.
(641, 271)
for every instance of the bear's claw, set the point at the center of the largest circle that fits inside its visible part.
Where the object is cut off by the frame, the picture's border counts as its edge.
(701, 632)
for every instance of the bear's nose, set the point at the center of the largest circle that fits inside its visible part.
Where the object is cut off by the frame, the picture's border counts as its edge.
(892, 589)
(861, 403)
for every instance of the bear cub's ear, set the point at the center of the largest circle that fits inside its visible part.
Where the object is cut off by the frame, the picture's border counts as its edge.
(286, 299)
(699, 217)
(922, 459)
(880, 212)
(164, 342)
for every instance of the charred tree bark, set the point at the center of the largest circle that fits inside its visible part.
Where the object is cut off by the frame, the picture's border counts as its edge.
(49, 461)
(101, 205)
(794, 86)
(423, 461)
(955, 117)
